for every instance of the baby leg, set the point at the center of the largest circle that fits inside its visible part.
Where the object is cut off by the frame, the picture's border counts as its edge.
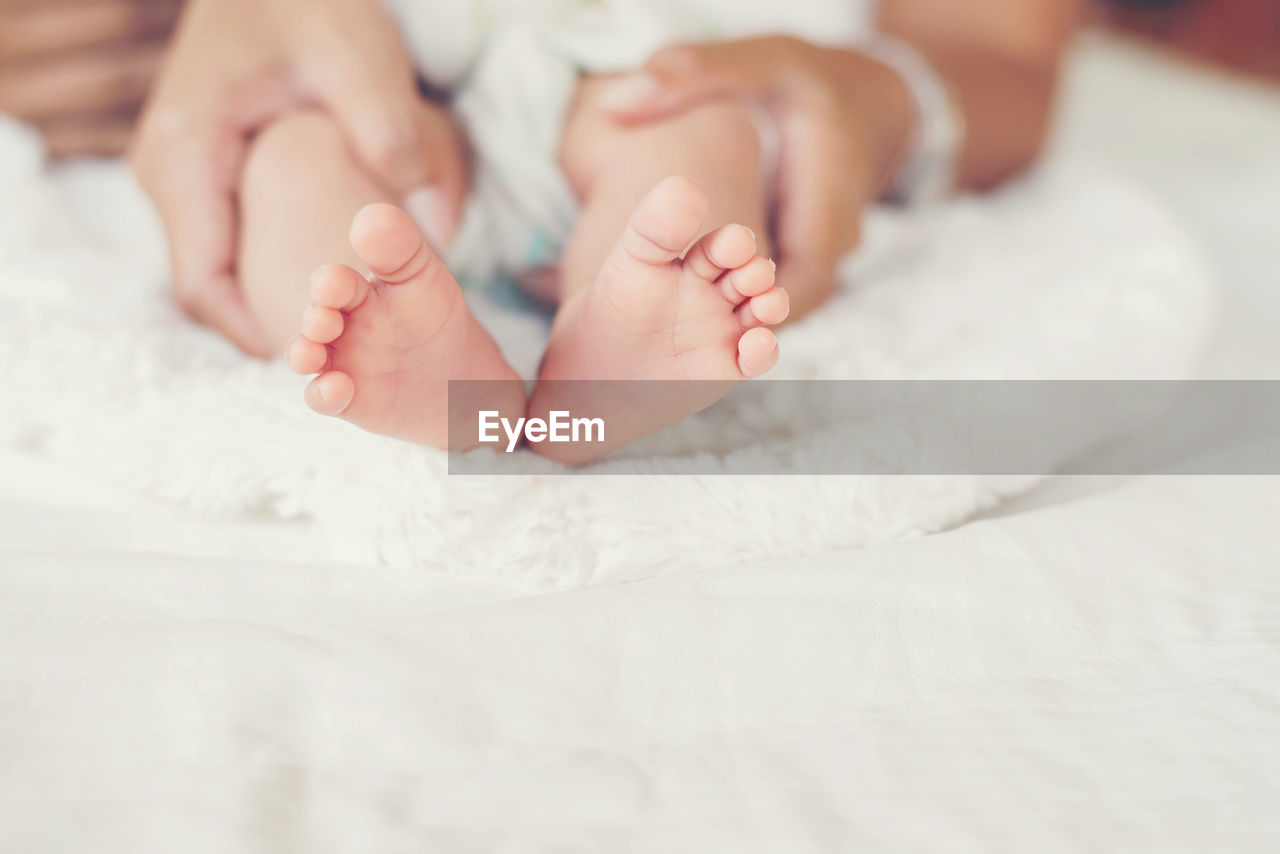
(612, 167)
(384, 345)
(635, 305)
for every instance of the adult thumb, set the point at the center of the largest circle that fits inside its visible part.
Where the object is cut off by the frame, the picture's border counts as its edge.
(380, 121)
(680, 76)
(404, 148)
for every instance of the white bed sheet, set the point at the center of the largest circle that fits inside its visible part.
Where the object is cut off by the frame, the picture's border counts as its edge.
(1207, 143)
(1099, 673)
(1102, 676)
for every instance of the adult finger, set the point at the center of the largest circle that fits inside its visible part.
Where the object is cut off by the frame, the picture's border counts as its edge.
(413, 152)
(104, 135)
(379, 114)
(413, 149)
(90, 82)
(819, 213)
(30, 30)
(218, 303)
(678, 76)
(437, 208)
(190, 174)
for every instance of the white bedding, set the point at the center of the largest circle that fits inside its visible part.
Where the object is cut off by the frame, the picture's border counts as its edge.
(1073, 273)
(1100, 673)
(1101, 679)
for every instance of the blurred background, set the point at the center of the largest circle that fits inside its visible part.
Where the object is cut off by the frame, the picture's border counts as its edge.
(1240, 34)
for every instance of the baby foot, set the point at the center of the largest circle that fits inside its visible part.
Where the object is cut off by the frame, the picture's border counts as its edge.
(385, 347)
(652, 315)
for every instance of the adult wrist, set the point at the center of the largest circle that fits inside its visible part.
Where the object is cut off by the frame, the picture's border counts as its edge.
(886, 101)
(924, 167)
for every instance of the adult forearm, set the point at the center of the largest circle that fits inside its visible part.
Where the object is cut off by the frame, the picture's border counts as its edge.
(1006, 104)
(78, 70)
(999, 60)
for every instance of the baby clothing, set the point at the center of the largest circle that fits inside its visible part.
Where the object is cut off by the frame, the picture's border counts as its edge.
(512, 67)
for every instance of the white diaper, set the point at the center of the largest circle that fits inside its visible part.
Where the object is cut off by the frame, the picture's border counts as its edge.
(512, 66)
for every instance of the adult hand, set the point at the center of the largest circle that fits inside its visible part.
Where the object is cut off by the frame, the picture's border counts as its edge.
(78, 70)
(843, 120)
(235, 65)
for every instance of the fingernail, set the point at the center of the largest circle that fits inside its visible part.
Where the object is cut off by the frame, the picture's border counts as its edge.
(773, 264)
(629, 91)
(430, 212)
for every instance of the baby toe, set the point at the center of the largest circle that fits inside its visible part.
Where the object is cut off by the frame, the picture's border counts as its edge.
(769, 308)
(664, 223)
(733, 246)
(330, 393)
(723, 249)
(757, 352)
(306, 357)
(321, 323)
(749, 280)
(387, 239)
(338, 286)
